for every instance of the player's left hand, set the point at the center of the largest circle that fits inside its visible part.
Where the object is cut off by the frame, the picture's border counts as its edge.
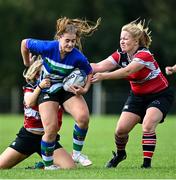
(98, 77)
(77, 90)
(169, 70)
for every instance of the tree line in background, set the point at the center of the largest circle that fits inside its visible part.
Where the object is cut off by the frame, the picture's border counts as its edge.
(37, 19)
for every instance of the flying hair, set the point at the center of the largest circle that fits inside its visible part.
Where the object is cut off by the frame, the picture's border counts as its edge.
(139, 30)
(81, 28)
(30, 73)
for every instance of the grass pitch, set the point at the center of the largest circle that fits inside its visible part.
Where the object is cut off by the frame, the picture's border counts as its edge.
(98, 146)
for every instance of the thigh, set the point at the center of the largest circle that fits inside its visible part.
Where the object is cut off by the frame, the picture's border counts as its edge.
(10, 157)
(77, 107)
(152, 118)
(49, 113)
(63, 159)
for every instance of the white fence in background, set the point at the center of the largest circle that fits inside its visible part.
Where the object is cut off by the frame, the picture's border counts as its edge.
(99, 100)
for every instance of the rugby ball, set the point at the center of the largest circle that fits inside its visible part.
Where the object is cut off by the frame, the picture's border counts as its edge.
(76, 77)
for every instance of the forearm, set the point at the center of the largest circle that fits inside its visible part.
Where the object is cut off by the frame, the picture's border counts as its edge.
(25, 53)
(88, 82)
(31, 100)
(102, 66)
(118, 74)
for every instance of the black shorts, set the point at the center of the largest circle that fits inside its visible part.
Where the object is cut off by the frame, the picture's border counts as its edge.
(139, 104)
(61, 96)
(28, 143)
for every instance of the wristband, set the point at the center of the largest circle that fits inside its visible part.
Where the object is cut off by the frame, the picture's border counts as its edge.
(40, 87)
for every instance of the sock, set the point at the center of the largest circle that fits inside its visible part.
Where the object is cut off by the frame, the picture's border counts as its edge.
(47, 150)
(121, 144)
(148, 145)
(78, 139)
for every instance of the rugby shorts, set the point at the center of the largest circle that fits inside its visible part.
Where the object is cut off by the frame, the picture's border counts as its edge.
(61, 96)
(28, 143)
(162, 100)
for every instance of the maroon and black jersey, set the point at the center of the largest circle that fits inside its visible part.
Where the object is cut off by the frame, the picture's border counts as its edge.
(149, 79)
(32, 120)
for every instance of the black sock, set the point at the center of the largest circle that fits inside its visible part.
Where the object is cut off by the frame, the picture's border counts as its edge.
(121, 152)
(147, 162)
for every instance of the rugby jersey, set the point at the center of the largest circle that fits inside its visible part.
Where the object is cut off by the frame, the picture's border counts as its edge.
(149, 79)
(53, 66)
(32, 120)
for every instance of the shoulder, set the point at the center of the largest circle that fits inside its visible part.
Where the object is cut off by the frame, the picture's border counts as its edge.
(78, 54)
(37, 42)
(117, 55)
(29, 87)
(143, 53)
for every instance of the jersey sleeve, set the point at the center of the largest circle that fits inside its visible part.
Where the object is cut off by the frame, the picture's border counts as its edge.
(41, 47)
(28, 88)
(115, 57)
(83, 64)
(143, 57)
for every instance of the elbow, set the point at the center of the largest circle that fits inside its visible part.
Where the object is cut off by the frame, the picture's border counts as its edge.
(25, 53)
(127, 72)
(29, 104)
(26, 64)
(23, 44)
(94, 67)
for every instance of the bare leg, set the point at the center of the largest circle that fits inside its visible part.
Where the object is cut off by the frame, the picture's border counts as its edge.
(152, 118)
(63, 159)
(126, 123)
(77, 107)
(10, 157)
(49, 116)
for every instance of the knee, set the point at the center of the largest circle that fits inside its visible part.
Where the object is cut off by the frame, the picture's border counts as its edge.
(82, 120)
(49, 137)
(50, 133)
(147, 127)
(1, 164)
(120, 131)
(4, 164)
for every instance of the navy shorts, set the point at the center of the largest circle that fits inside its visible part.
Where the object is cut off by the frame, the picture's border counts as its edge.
(139, 104)
(28, 143)
(61, 96)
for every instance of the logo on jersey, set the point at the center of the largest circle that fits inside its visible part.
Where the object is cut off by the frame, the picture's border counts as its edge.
(124, 64)
(125, 107)
(13, 144)
(46, 96)
(156, 102)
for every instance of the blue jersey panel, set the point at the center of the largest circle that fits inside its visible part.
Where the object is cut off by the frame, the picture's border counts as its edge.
(55, 67)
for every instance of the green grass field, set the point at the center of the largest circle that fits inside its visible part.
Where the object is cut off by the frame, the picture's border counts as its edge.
(98, 146)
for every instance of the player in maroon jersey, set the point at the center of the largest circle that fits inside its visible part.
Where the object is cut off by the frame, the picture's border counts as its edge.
(150, 97)
(28, 139)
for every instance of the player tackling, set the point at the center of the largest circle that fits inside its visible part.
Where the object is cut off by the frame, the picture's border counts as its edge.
(150, 97)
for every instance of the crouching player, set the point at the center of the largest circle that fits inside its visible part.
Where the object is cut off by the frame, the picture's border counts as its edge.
(28, 140)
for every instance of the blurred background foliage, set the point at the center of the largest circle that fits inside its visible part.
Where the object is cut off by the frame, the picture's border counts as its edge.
(37, 19)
